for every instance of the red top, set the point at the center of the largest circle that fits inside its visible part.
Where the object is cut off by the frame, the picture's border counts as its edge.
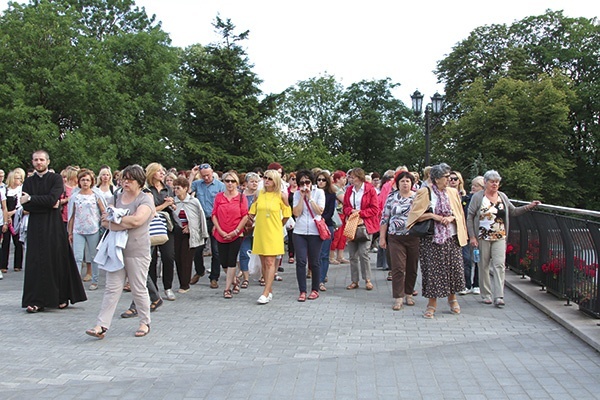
(369, 207)
(229, 213)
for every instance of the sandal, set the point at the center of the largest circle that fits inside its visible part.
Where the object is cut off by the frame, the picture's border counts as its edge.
(389, 277)
(93, 332)
(127, 287)
(278, 278)
(322, 288)
(142, 333)
(454, 309)
(155, 304)
(409, 300)
(369, 285)
(313, 295)
(245, 284)
(429, 312)
(353, 285)
(62, 306)
(398, 305)
(302, 297)
(261, 281)
(291, 260)
(132, 312)
(227, 294)
(34, 309)
(236, 286)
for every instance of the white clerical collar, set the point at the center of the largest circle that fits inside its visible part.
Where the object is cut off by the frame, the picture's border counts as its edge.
(41, 174)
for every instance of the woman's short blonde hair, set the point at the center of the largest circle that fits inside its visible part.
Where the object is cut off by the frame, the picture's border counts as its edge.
(17, 172)
(152, 169)
(231, 174)
(276, 177)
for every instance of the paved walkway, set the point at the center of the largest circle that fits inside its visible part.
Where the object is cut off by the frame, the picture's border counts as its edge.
(345, 345)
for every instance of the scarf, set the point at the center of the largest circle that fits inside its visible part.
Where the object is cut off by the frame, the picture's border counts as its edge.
(441, 231)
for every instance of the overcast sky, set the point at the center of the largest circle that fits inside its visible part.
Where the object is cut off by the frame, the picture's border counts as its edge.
(375, 39)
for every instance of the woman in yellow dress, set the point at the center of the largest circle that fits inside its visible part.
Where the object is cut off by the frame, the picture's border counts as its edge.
(270, 213)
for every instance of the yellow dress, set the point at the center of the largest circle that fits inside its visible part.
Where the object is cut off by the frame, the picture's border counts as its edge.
(269, 210)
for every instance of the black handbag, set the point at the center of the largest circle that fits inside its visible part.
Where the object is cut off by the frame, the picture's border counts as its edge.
(423, 228)
(361, 234)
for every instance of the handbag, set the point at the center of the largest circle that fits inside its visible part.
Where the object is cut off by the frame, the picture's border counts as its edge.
(351, 225)
(337, 220)
(423, 228)
(361, 234)
(158, 230)
(322, 227)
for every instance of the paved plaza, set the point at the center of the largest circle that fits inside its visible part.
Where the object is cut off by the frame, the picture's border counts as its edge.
(344, 345)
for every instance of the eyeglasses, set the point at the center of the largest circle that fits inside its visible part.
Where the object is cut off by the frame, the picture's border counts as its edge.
(321, 180)
(267, 178)
(229, 181)
(454, 178)
(305, 182)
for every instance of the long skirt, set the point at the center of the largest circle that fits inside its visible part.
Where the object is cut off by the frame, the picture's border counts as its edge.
(441, 267)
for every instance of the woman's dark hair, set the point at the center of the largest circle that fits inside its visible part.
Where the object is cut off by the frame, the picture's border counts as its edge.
(404, 174)
(182, 182)
(85, 172)
(136, 173)
(328, 188)
(304, 173)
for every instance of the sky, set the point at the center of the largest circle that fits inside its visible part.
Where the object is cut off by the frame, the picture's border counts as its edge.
(351, 40)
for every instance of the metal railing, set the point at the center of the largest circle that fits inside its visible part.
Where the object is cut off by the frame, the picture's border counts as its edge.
(558, 247)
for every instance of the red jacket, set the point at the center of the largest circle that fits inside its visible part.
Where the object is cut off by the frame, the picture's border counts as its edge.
(369, 207)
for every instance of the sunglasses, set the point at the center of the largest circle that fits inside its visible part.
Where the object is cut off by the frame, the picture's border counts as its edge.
(204, 166)
(292, 178)
(267, 178)
(454, 178)
(305, 182)
(230, 181)
(321, 180)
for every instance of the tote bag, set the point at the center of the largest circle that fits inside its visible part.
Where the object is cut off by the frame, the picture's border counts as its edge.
(158, 230)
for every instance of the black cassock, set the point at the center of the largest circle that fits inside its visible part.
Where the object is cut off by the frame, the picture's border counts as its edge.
(51, 275)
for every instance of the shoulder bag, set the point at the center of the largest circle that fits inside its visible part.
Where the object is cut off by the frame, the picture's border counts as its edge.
(423, 228)
(324, 233)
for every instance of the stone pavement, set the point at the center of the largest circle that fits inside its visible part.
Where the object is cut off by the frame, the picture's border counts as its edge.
(344, 345)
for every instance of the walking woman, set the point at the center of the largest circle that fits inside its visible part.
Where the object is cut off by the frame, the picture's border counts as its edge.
(136, 254)
(163, 201)
(270, 214)
(189, 231)
(250, 192)
(361, 199)
(308, 203)
(393, 235)
(85, 212)
(487, 221)
(324, 183)
(14, 189)
(229, 215)
(440, 254)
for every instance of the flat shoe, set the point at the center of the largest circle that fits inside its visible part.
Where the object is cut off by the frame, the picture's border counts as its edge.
(129, 313)
(93, 332)
(141, 333)
(302, 297)
(155, 304)
(263, 299)
(487, 301)
(34, 309)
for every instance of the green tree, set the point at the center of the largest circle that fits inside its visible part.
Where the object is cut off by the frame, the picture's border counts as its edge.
(223, 120)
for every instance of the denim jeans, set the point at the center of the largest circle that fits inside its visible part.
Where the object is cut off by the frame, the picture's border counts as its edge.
(469, 265)
(244, 249)
(308, 248)
(325, 255)
(79, 246)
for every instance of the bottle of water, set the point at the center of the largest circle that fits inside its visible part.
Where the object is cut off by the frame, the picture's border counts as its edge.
(476, 255)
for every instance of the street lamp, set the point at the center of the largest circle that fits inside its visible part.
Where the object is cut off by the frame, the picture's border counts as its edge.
(435, 107)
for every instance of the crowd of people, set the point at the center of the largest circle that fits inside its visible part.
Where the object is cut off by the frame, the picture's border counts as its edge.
(67, 227)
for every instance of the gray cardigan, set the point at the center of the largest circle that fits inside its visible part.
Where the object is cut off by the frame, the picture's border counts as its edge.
(475, 206)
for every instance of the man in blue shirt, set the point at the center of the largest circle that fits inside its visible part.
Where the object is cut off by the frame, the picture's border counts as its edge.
(205, 190)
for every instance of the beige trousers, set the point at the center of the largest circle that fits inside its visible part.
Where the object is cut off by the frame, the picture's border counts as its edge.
(492, 262)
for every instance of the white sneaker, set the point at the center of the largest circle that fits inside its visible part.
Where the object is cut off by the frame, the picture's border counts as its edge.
(169, 295)
(463, 292)
(1, 276)
(270, 297)
(263, 299)
(476, 290)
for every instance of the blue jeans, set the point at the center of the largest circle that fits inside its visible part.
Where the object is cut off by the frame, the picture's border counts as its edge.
(469, 265)
(79, 242)
(308, 248)
(244, 249)
(325, 255)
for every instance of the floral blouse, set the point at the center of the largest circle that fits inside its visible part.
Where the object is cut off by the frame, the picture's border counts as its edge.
(87, 214)
(395, 213)
(491, 220)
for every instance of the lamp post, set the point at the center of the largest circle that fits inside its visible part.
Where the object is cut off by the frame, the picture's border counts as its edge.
(435, 107)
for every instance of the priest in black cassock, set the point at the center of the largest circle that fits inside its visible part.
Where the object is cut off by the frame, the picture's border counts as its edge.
(52, 278)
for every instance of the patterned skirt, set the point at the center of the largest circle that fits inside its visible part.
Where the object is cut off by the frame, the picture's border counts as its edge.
(441, 268)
